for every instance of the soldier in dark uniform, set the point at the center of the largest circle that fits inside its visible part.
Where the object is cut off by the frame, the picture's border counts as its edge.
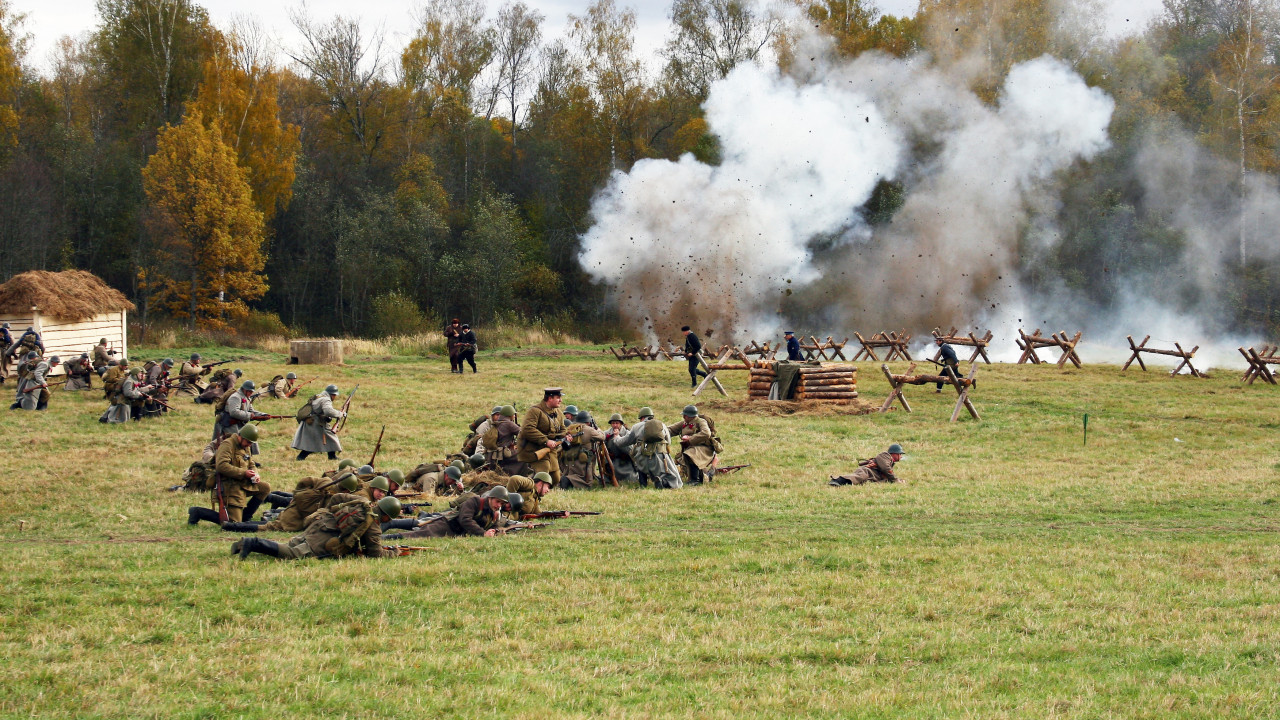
(692, 347)
(793, 347)
(6, 339)
(451, 334)
(467, 348)
(949, 360)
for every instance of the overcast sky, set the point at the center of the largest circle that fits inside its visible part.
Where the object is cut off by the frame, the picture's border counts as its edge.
(47, 20)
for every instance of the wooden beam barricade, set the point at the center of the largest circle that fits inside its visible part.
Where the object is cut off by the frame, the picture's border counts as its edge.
(895, 342)
(979, 344)
(833, 383)
(764, 352)
(1184, 355)
(1029, 344)
(962, 386)
(711, 373)
(1258, 362)
(731, 358)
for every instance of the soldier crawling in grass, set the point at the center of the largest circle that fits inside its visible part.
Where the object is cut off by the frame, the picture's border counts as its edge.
(350, 525)
(877, 469)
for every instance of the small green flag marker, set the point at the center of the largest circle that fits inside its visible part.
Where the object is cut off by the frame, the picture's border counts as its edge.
(1086, 428)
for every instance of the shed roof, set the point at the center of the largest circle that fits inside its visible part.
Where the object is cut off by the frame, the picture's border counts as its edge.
(71, 295)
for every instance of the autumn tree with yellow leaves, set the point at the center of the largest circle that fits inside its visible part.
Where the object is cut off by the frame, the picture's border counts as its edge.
(209, 255)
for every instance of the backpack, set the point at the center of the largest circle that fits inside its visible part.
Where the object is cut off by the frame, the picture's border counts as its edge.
(221, 403)
(304, 412)
(652, 431)
(354, 518)
(715, 439)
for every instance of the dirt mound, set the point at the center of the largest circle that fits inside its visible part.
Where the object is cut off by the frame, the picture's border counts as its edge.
(790, 407)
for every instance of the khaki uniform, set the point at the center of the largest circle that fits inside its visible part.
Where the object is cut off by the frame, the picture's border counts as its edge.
(100, 357)
(323, 538)
(514, 483)
(218, 389)
(699, 452)
(578, 459)
(232, 464)
(471, 517)
(541, 425)
(499, 441)
(877, 469)
(280, 387)
(308, 497)
(189, 378)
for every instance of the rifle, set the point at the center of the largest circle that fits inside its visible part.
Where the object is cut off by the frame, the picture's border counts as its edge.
(520, 528)
(550, 514)
(406, 550)
(545, 451)
(345, 406)
(377, 447)
(605, 463)
(730, 468)
(214, 364)
(220, 499)
(411, 506)
(258, 417)
(294, 391)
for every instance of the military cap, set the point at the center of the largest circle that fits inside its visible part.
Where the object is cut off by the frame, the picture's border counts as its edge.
(552, 392)
(380, 483)
(542, 477)
(466, 326)
(896, 449)
(247, 386)
(616, 417)
(646, 413)
(788, 332)
(291, 376)
(507, 411)
(690, 411)
(331, 389)
(249, 432)
(453, 472)
(389, 507)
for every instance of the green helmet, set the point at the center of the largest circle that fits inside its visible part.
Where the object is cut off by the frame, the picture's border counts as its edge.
(453, 472)
(583, 416)
(646, 412)
(896, 449)
(346, 464)
(396, 476)
(389, 506)
(249, 432)
(690, 411)
(291, 376)
(500, 492)
(477, 461)
(348, 482)
(366, 470)
(570, 410)
(507, 411)
(616, 417)
(517, 502)
(380, 483)
(542, 477)
(458, 464)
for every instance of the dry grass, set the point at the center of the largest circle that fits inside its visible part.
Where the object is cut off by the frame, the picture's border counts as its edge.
(68, 295)
(1017, 572)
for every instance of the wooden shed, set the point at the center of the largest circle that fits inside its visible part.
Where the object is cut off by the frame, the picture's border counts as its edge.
(71, 310)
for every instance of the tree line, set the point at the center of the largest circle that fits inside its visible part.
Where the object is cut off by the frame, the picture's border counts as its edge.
(347, 187)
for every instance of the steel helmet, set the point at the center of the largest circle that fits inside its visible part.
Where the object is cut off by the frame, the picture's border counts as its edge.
(616, 417)
(453, 472)
(291, 376)
(365, 471)
(570, 410)
(477, 461)
(496, 409)
(348, 482)
(542, 477)
(690, 411)
(396, 476)
(331, 389)
(517, 502)
(380, 483)
(458, 464)
(646, 413)
(247, 386)
(896, 449)
(249, 432)
(507, 411)
(583, 416)
(389, 507)
(500, 492)
(346, 464)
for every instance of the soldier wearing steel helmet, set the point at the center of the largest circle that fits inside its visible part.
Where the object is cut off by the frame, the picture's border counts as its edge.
(79, 374)
(697, 449)
(6, 340)
(315, 433)
(478, 516)
(281, 385)
(499, 441)
(349, 526)
(189, 374)
(310, 495)
(238, 410)
(101, 356)
(649, 444)
(33, 388)
(243, 490)
(624, 469)
(877, 469)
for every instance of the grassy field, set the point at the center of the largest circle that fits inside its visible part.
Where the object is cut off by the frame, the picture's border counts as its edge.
(1016, 573)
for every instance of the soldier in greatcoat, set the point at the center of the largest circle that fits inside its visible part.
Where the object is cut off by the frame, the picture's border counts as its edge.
(697, 450)
(33, 388)
(623, 467)
(315, 434)
(578, 458)
(649, 444)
